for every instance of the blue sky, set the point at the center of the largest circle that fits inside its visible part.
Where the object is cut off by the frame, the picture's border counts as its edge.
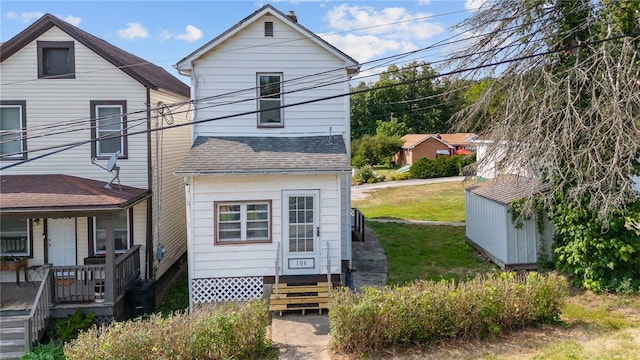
(163, 32)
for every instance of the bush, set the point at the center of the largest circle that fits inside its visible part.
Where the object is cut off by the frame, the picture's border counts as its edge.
(68, 328)
(366, 175)
(426, 312)
(442, 166)
(227, 331)
(397, 176)
(50, 351)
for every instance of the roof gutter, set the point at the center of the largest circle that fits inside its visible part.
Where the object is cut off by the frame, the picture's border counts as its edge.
(261, 172)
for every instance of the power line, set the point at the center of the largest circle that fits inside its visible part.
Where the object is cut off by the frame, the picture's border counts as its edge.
(453, 72)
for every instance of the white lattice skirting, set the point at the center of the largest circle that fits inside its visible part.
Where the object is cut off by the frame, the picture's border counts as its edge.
(226, 289)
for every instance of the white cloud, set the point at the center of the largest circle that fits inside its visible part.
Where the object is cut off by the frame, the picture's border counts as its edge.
(473, 4)
(73, 20)
(30, 16)
(133, 31)
(25, 16)
(191, 34)
(424, 2)
(374, 32)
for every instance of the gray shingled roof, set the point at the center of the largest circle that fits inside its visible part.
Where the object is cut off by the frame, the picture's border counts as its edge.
(148, 74)
(258, 155)
(508, 188)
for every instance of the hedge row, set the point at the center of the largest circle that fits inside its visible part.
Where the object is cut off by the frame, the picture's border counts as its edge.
(442, 166)
(231, 331)
(425, 312)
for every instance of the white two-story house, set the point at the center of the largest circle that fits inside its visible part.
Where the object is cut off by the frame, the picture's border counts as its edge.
(268, 175)
(87, 185)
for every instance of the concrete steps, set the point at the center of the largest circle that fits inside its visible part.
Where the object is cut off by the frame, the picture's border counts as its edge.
(12, 341)
(300, 296)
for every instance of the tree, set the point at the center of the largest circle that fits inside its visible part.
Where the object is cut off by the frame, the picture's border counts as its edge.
(568, 108)
(373, 150)
(392, 128)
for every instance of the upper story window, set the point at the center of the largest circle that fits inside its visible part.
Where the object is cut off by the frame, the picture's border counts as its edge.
(109, 128)
(56, 60)
(268, 28)
(13, 124)
(15, 237)
(270, 100)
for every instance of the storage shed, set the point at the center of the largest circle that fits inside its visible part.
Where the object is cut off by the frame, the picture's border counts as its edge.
(491, 230)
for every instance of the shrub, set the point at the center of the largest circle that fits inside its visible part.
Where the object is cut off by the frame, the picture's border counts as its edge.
(227, 331)
(425, 312)
(50, 351)
(68, 328)
(366, 175)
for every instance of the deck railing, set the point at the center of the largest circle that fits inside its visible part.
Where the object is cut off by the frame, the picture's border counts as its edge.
(357, 224)
(38, 319)
(76, 283)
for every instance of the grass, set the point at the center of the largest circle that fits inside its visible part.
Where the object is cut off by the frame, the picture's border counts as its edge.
(177, 296)
(427, 252)
(433, 202)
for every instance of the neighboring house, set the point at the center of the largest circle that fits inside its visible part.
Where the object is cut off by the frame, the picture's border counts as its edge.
(268, 179)
(62, 86)
(430, 146)
(491, 229)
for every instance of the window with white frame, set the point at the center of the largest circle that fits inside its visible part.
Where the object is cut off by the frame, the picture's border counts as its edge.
(108, 127)
(14, 236)
(242, 221)
(13, 142)
(270, 100)
(121, 236)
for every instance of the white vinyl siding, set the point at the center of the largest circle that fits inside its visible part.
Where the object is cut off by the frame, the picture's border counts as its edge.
(208, 260)
(231, 72)
(62, 102)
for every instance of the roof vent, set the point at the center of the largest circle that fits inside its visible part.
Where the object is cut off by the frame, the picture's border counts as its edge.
(268, 28)
(292, 15)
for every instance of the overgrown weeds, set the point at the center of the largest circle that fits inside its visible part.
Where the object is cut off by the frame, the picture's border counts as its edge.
(425, 312)
(226, 331)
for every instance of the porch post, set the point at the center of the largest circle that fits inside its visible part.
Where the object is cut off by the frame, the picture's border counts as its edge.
(110, 260)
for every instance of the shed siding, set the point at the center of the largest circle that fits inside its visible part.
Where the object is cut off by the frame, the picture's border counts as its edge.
(486, 225)
(230, 71)
(169, 215)
(65, 104)
(208, 260)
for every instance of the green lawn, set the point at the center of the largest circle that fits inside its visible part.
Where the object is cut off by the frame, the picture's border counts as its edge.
(427, 252)
(435, 202)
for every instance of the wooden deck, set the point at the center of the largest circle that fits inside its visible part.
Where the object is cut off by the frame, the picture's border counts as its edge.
(14, 297)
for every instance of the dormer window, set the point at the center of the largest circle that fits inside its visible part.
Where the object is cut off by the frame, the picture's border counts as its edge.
(270, 100)
(268, 28)
(56, 60)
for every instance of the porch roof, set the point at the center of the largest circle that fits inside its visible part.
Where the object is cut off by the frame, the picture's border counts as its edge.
(36, 194)
(266, 155)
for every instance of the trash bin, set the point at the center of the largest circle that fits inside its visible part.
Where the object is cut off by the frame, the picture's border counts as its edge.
(142, 297)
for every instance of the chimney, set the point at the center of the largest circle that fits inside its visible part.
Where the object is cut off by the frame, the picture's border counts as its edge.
(292, 15)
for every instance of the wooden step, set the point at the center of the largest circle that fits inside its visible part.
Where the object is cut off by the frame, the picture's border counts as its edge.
(299, 296)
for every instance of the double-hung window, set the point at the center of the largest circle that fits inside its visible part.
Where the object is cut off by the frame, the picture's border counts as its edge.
(109, 128)
(242, 222)
(270, 100)
(56, 59)
(14, 237)
(13, 142)
(121, 225)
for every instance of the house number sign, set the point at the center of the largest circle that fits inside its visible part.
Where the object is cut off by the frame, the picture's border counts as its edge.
(306, 263)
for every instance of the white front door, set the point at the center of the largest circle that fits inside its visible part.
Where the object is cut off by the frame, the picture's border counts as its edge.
(61, 239)
(301, 232)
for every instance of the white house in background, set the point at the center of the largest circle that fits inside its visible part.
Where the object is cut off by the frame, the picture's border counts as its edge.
(61, 86)
(267, 178)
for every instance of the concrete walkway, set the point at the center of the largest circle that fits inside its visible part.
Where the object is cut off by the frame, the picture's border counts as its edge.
(307, 336)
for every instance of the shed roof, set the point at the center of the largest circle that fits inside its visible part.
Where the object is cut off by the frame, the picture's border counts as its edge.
(148, 74)
(60, 193)
(262, 155)
(508, 188)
